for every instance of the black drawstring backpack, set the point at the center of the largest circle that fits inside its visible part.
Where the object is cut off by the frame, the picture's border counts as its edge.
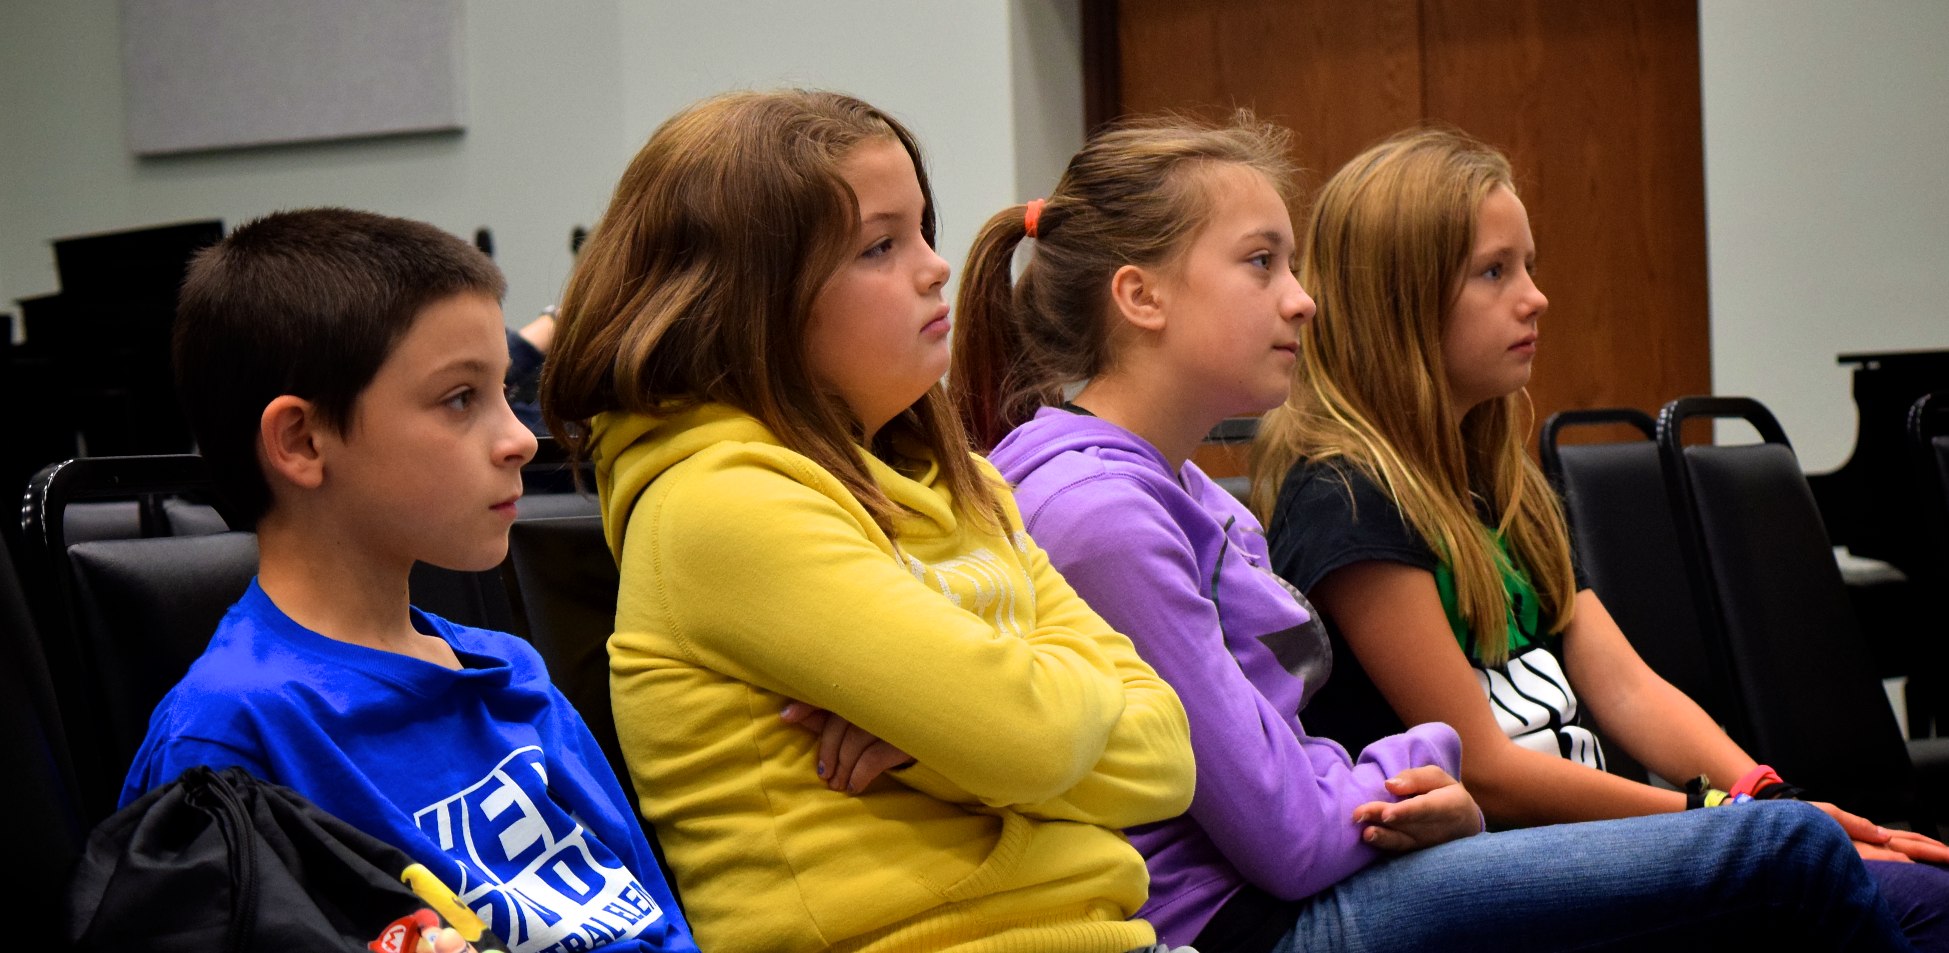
(219, 861)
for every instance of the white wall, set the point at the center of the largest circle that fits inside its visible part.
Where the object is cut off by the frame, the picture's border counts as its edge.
(1825, 136)
(1827, 200)
(560, 94)
(946, 69)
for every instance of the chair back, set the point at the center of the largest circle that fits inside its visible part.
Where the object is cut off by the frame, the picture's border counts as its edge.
(1928, 431)
(147, 609)
(100, 500)
(43, 804)
(562, 581)
(475, 599)
(1627, 544)
(192, 519)
(1753, 537)
(482, 599)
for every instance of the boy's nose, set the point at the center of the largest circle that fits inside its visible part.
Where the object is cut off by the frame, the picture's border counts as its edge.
(518, 444)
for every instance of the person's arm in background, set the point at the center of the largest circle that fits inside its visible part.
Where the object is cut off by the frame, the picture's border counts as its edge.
(527, 348)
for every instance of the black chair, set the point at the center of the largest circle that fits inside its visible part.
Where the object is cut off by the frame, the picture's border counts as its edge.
(482, 599)
(1928, 431)
(192, 519)
(43, 801)
(146, 609)
(1771, 594)
(477, 599)
(1627, 545)
(551, 473)
(79, 653)
(1928, 683)
(548, 505)
(124, 609)
(562, 582)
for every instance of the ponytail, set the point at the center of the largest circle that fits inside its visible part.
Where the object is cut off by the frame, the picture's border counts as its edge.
(988, 342)
(1132, 196)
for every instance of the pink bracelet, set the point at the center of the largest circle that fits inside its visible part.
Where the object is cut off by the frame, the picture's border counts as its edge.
(1753, 780)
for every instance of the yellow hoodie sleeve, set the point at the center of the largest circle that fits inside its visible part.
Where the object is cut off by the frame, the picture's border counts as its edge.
(756, 568)
(1146, 771)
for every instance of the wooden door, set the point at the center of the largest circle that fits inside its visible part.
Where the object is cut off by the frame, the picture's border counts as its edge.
(1596, 104)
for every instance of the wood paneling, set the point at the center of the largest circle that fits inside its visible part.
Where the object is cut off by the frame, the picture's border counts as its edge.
(1598, 108)
(1340, 75)
(1597, 105)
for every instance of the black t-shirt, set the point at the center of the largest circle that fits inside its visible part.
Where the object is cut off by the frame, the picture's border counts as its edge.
(1329, 516)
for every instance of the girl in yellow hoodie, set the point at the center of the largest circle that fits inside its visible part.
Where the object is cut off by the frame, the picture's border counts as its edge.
(862, 710)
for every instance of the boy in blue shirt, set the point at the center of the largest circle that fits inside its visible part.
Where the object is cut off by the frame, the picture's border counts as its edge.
(342, 372)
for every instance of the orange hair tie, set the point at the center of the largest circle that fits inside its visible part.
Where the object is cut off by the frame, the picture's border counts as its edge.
(1032, 215)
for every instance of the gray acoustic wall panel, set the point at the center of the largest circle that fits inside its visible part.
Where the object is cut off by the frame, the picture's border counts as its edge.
(216, 74)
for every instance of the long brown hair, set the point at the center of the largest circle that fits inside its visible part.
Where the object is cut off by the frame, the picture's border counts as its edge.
(1132, 196)
(698, 282)
(1384, 253)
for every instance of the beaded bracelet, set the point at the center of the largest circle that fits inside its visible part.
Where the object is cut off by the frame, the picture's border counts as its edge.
(1699, 793)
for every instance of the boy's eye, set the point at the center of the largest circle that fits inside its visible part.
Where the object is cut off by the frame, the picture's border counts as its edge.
(461, 400)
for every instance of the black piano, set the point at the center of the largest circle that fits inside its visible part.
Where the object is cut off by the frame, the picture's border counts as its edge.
(1875, 505)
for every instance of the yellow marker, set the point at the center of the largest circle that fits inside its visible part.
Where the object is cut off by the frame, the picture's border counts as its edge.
(441, 899)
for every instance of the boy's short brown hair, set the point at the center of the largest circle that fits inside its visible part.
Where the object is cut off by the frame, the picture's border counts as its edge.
(308, 303)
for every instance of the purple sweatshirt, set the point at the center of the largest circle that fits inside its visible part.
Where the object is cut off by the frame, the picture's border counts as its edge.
(1178, 565)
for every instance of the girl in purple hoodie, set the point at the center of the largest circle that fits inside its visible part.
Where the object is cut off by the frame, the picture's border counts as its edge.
(1158, 294)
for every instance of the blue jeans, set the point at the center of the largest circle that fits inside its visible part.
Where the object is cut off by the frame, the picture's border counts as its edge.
(1918, 896)
(1709, 880)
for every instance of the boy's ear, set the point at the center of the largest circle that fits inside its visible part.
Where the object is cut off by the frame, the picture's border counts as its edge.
(287, 437)
(1134, 293)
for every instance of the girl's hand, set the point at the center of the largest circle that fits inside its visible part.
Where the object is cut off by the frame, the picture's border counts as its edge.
(1873, 842)
(850, 757)
(1434, 809)
(1908, 845)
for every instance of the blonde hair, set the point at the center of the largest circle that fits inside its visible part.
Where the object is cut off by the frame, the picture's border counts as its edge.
(1384, 253)
(698, 283)
(1133, 195)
